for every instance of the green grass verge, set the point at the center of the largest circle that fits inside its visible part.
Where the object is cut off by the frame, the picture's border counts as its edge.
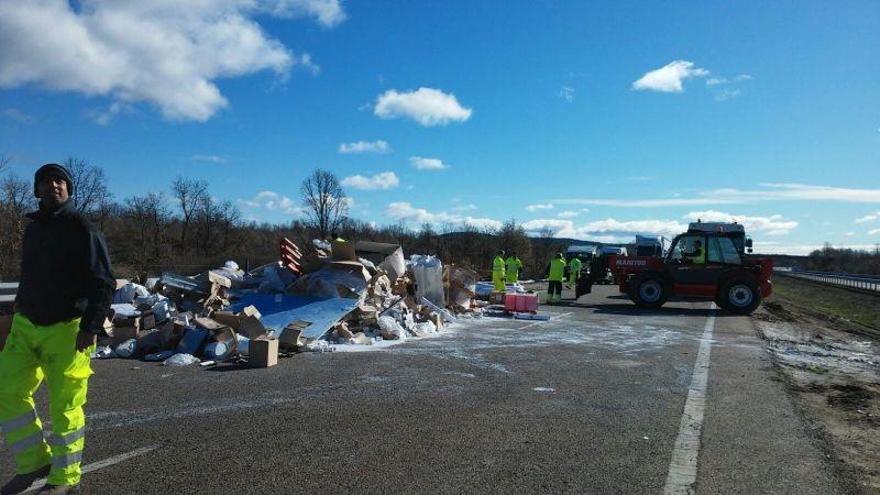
(833, 301)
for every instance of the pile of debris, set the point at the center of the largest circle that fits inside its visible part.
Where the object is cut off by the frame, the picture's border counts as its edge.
(331, 294)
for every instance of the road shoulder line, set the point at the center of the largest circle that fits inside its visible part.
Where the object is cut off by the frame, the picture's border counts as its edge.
(683, 467)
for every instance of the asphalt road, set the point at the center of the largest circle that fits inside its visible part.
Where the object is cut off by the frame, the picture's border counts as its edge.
(590, 402)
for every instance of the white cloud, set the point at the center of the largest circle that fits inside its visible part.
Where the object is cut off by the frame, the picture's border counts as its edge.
(208, 158)
(420, 163)
(567, 93)
(650, 226)
(717, 81)
(467, 207)
(619, 231)
(17, 115)
(427, 106)
(727, 94)
(871, 217)
(850, 234)
(874, 232)
(772, 225)
(165, 53)
(567, 214)
(271, 200)
(327, 12)
(405, 212)
(772, 192)
(543, 206)
(669, 78)
(560, 228)
(763, 247)
(364, 147)
(384, 180)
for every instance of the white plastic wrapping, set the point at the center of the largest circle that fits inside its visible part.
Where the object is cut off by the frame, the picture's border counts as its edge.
(391, 330)
(428, 272)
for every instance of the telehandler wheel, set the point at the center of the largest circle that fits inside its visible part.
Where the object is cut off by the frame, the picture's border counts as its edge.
(648, 291)
(739, 296)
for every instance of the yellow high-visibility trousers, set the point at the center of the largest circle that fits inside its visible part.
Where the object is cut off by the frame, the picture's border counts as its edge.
(498, 281)
(33, 353)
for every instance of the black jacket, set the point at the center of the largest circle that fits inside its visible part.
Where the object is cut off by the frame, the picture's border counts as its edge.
(65, 270)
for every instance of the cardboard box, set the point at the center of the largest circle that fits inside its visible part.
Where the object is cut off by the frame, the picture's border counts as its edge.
(263, 353)
(251, 311)
(252, 328)
(343, 251)
(216, 278)
(227, 318)
(209, 324)
(171, 333)
(121, 334)
(127, 322)
(290, 336)
(147, 321)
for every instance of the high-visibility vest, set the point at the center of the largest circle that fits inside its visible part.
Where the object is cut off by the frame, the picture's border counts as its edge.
(513, 264)
(575, 265)
(700, 258)
(498, 266)
(557, 269)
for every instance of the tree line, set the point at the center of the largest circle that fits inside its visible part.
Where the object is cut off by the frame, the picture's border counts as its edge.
(830, 259)
(186, 229)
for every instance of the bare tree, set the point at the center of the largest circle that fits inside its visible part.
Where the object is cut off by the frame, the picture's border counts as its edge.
(90, 193)
(325, 201)
(148, 216)
(16, 198)
(190, 194)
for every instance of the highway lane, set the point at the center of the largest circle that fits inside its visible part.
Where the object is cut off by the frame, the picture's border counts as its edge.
(591, 401)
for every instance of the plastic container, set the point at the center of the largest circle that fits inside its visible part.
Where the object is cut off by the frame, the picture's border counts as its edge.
(526, 302)
(510, 302)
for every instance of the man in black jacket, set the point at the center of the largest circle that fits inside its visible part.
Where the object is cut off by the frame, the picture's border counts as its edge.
(63, 298)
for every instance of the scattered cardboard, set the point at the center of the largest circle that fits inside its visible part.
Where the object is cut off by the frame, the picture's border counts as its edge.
(252, 327)
(251, 311)
(227, 318)
(343, 251)
(216, 278)
(343, 331)
(123, 333)
(209, 324)
(292, 333)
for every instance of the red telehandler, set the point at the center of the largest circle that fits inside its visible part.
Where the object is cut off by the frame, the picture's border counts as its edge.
(724, 272)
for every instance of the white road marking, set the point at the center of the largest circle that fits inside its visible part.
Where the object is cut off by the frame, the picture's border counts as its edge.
(683, 467)
(100, 464)
(553, 318)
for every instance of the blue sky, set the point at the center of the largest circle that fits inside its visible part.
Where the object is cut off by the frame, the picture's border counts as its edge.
(598, 120)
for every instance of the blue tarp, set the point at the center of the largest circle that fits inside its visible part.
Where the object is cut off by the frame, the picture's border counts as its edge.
(279, 310)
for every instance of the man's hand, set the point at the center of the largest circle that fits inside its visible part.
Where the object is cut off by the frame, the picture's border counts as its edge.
(85, 339)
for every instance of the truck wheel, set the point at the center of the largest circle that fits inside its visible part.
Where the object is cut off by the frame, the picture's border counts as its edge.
(648, 292)
(740, 296)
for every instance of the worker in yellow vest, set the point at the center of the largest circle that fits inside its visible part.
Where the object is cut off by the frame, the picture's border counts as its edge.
(498, 271)
(574, 270)
(556, 275)
(514, 266)
(698, 255)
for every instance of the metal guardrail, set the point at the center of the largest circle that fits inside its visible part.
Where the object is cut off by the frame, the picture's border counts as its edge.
(867, 283)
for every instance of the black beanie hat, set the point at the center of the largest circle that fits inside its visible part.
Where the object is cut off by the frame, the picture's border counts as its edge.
(53, 169)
